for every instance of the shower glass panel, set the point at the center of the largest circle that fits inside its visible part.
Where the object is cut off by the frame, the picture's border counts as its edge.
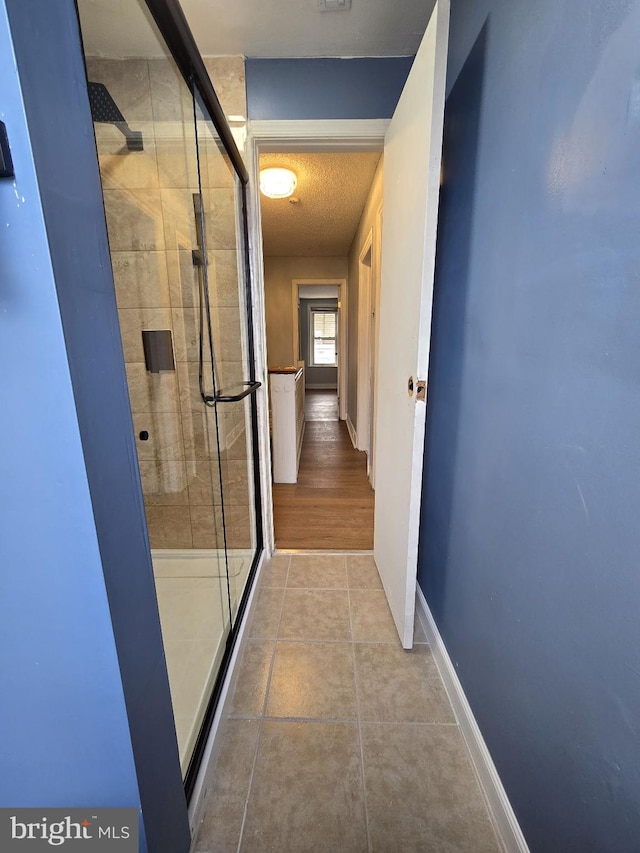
(173, 220)
(224, 237)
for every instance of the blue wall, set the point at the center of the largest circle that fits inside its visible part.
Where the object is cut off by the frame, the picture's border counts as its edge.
(530, 541)
(65, 734)
(325, 88)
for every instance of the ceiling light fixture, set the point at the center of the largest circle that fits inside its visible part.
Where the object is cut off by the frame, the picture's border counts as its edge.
(277, 183)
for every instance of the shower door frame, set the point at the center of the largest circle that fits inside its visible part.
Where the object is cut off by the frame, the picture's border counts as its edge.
(175, 31)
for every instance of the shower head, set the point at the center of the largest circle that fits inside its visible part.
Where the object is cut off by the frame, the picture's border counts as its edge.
(105, 110)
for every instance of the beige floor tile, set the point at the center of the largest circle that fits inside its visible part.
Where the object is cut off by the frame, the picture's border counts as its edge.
(362, 572)
(318, 572)
(315, 614)
(306, 795)
(422, 793)
(313, 680)
(274, 572)
(223, 810)
(398, 686)
(371, 619)
(266, 613)
(253, 675)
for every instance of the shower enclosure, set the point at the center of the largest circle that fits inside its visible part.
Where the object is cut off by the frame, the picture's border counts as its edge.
(174, 189)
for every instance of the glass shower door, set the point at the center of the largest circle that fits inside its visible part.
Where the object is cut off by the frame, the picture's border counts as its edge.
(146, 142)
(223, 225)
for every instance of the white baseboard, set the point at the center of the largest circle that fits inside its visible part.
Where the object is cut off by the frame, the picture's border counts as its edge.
(352, 432)
(207, 764)
(505, 821)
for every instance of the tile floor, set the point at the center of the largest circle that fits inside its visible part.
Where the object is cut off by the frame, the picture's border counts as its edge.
(336, 738)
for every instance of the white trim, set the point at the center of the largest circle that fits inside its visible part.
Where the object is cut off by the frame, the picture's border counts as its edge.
(505, 821)
(319, 135)
(376, 265)
(352, 433)
(320, 309)
(365, 284)
(207, 764)
(341, 283)
(256, 269)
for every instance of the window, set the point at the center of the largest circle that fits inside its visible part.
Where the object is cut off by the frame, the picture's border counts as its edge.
(322, 347)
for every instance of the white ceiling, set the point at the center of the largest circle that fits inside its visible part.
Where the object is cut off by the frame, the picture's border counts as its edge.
(280, 28)
(332, 190)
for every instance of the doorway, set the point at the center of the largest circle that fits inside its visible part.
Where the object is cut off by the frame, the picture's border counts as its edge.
(320, 335)
(313, 243)
(368, 282)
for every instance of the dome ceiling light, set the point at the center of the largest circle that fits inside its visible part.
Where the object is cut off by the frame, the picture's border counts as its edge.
(277, 183)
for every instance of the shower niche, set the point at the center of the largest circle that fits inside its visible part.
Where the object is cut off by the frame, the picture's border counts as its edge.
(173, 185)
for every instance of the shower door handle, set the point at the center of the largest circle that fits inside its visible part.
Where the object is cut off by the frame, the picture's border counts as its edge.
(248, 388)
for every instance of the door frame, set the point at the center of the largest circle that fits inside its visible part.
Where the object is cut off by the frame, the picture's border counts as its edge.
(366, 303)
(264, 137)
(341, 284)
(376, 262)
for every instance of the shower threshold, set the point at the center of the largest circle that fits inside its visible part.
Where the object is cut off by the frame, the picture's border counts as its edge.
(204, 562)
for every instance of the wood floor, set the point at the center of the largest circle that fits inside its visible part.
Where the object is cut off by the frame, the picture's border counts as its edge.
(331, 505)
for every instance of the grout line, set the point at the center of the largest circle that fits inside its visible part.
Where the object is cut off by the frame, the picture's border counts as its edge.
(302, 552)
(343, 720)
(261, 722)
(319, 720)
(328, 588)
(355, 681)
(408, 723)
(394, 642)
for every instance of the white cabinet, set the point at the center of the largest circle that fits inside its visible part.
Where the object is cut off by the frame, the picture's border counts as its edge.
(287, 423)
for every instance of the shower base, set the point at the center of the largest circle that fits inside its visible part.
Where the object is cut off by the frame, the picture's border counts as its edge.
(194, 616)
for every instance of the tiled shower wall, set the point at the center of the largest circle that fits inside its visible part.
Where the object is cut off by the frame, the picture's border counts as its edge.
(151, 223)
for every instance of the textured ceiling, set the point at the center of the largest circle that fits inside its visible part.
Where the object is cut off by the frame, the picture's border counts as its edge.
(332, 190)
(280, 28)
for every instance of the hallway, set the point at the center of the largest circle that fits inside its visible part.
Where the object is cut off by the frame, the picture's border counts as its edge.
(331, 505)
(335, 738)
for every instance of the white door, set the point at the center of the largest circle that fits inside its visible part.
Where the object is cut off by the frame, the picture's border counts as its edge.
(412, 151)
